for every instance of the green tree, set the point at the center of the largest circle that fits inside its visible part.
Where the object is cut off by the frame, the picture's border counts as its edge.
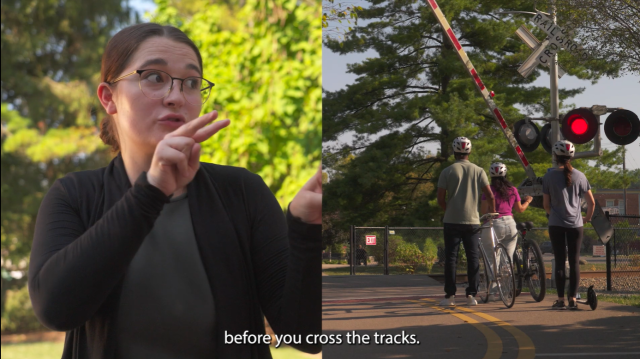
(51, 53)
(607, 29)
(338, 18)
(417, 91)
(265, 59)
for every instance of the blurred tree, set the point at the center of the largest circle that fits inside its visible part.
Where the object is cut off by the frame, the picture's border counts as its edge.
(265, 59)
(51, 53)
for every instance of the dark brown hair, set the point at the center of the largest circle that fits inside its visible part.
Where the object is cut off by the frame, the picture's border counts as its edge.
(502, 186)
(566, 161)
(116, 57)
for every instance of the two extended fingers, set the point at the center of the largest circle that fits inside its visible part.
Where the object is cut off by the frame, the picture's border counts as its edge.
(178, 151)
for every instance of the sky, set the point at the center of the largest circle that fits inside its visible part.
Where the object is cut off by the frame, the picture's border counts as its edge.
(619, 92)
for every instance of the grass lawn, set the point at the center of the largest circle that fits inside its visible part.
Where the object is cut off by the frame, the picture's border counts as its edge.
(624, 299)
(379, 269)
(40, 350)
(436, 269)
(53, 350)
(632, 299)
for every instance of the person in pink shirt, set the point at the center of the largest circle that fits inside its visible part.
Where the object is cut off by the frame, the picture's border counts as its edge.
(507, 200)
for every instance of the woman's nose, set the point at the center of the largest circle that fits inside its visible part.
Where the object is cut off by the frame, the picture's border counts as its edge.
(175, 96)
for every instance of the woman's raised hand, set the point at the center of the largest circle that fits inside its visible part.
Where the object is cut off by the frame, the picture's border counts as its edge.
(177, 157)
(307, 204)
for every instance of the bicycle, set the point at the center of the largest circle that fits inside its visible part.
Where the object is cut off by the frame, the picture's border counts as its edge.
(498, 271)
(529, 264)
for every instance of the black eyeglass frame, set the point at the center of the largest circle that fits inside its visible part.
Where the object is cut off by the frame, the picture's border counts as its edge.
(139, 72)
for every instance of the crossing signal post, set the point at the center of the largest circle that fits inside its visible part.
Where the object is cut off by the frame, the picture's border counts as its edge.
(582, 125)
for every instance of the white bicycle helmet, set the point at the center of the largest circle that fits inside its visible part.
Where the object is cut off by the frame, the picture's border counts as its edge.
(564, 148)
(461, 145)
(498, 170)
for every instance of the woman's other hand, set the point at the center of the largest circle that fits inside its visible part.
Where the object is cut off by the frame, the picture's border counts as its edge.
(307, 204)
(177, 157)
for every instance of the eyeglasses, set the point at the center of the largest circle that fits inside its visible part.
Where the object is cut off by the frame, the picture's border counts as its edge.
(156, 84)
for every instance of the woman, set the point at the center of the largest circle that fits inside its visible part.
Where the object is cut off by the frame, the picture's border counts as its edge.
(158, 255)
(562, 189)
(507, 200)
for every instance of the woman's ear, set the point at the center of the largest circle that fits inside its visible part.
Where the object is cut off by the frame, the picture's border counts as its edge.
(106, 98)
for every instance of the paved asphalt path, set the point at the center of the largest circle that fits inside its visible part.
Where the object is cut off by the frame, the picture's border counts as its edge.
(408, 305)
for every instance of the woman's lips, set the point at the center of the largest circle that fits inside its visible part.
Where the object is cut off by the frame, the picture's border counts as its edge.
(171, 123)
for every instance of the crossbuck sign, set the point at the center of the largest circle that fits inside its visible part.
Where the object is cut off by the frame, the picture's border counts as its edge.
(543, 53)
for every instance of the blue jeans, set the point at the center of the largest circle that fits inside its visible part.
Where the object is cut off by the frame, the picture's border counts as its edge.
(453, 235)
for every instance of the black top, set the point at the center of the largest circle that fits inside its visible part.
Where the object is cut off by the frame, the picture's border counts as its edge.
(166, 276)
(92, 223)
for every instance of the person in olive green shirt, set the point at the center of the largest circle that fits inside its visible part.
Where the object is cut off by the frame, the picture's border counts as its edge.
(459, 188)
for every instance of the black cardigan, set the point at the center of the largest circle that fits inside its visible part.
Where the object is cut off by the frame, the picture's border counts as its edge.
(91, 224)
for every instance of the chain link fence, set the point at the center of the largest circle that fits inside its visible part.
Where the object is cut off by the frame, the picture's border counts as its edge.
(404, 250)
(623, 254)
(420, 250)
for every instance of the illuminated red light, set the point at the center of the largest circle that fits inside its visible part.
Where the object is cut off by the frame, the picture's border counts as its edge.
(579, 126)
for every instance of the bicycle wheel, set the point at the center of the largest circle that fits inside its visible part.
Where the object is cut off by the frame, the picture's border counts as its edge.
(518, 270)
(536, 275)
(504, 276)
(483, 283)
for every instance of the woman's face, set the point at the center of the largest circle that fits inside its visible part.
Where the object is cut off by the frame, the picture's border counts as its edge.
(141, 121)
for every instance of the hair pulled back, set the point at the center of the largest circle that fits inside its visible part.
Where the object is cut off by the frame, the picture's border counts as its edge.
(116, 57)
(566, 161)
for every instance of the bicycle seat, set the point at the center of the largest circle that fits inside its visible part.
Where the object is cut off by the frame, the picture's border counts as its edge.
(524, 226)
(488, 216)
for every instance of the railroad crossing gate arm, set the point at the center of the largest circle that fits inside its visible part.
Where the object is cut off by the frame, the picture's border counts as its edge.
(483, 90)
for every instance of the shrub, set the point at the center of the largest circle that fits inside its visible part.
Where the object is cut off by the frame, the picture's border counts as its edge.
(410, 256)
(430, 251)
(18, 315)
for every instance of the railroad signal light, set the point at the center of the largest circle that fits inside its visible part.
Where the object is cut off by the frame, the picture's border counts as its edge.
(622, 127)
(527, 135)
(545, 134)
(580, 126)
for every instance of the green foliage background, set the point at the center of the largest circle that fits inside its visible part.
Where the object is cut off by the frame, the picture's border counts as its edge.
(266, 61)
(264, 57)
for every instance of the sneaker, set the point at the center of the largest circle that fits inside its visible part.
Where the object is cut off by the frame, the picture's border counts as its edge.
(448, 302)
(573, 305)
(471, 300)
(558, 305)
